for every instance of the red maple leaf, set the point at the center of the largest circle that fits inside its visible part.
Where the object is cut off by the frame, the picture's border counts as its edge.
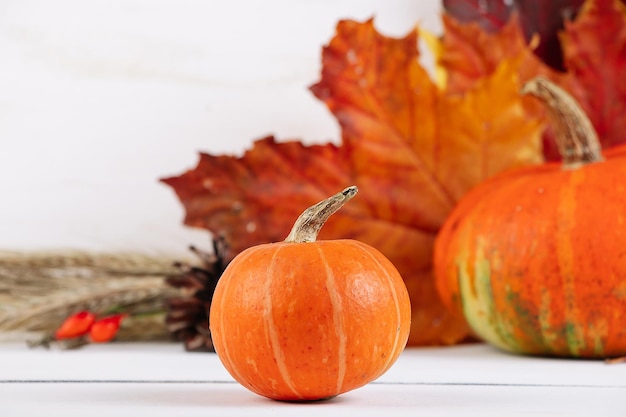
(594, 48)
(536, 17)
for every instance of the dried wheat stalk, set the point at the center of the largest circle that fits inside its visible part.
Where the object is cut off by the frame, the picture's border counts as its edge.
(38, 290)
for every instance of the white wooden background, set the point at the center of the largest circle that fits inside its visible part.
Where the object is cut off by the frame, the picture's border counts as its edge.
(158, 380)
(100, 98)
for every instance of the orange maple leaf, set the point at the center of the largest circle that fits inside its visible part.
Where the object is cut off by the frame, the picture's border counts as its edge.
(594, 48)
(468, 53)
(412, 149)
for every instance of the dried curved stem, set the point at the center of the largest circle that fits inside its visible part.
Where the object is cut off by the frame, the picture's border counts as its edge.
(576, 138)
(310, 222)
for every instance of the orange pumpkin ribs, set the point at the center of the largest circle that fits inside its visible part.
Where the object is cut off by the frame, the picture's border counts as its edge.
(306, 320)
(534, 259)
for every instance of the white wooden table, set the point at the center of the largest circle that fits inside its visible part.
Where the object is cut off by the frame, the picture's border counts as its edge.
(163, 380)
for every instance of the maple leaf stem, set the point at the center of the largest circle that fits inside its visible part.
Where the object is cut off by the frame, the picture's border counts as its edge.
(576, 138)
(310, 222)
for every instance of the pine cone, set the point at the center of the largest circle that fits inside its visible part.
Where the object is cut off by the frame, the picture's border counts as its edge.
(187, 314)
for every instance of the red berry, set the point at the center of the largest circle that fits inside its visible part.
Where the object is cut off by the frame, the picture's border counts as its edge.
(105, 329)
(75, 325)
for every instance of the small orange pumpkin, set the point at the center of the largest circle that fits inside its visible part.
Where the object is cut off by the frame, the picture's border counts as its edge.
(535, 259)
(306, 320)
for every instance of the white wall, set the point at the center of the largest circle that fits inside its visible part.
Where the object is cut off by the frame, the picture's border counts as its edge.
(100, 98)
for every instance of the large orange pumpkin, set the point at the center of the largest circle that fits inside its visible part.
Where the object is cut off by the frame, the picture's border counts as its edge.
(535, 260)
(307, 320)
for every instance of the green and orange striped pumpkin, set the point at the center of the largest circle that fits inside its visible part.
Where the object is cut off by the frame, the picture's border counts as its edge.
(306, 320)
(535, 259)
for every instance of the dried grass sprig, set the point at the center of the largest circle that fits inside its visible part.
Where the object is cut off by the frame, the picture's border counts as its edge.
(38, 290)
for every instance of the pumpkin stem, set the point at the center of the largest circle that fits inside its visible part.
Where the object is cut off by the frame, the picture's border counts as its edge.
(575, 136)
(308, 225)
